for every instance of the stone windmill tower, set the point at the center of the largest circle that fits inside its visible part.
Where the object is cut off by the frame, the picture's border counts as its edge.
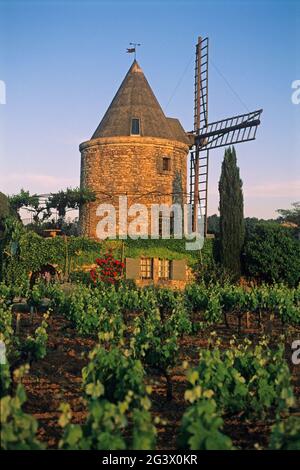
(135, 151)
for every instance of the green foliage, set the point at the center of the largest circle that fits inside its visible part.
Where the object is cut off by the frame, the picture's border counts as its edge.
(114, 387)
(272, 254)
(18, 429)
(36, 345)
(8, 293)
(61, 201)
(24, 199)
(102, 430)
(56, 295)
(69, 199)
(171, 305)
(34, 297)
(6, 340)
(213, 224)
(96, 310)
(34, 251)
(197, 296)
(144, 432)
(200, 427)
(4, 209)
(215, 300)
(285, 434)
(291, 215)
(27, 252)
(6, 329)
(113, 374)
(167, 300)
(167, 249)
(232, 231)
(213, 312)
(105, 426)
(5, 379)
(212, 272)
(81, 277)
(245, 378)
(154, 340)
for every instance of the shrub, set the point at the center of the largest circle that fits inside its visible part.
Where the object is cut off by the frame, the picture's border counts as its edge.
(201, 423)
(286, 434)
(272, 254)
(108, 270)
(18, 429)
(245, 378)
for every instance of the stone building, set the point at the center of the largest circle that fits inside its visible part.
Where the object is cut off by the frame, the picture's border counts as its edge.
(137, 152)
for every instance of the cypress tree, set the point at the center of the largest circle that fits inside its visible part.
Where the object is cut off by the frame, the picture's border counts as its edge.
(232, 230)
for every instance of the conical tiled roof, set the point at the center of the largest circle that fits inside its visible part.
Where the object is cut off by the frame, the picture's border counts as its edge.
(135, 99)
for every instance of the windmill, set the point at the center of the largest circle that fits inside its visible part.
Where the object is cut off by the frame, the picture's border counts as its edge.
(207, 136)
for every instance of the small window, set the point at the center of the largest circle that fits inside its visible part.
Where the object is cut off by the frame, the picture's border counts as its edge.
(146, 268)
(164, 269)
(166, 164)
(135, 126)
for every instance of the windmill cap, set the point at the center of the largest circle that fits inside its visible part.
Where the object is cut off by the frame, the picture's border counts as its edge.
(136, 100)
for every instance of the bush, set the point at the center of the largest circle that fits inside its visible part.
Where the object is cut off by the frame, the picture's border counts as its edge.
(108, 270)
(272, 254)
(250, 379)
(34, 251)
(18, 429)
(115, 373)
(286, 434)
(200, 427)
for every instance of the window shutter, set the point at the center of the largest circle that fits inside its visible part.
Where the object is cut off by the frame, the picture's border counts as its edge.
(179, 269)
(132, 268)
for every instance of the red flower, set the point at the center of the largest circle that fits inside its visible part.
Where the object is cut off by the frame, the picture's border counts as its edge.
(108, 268)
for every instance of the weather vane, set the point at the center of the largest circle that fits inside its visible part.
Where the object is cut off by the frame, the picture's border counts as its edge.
(131, 50)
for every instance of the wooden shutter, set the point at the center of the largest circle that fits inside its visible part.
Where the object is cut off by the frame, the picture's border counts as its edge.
(132, 268)
(179, 269)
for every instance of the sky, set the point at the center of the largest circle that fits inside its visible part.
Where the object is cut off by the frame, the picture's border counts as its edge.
(61, 62)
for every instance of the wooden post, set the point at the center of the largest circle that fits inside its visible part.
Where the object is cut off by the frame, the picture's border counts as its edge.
(18, 323)
(196, 129)
(196, 191)
(123, 254)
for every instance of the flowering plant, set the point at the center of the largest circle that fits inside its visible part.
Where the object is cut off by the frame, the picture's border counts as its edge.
(108, 269)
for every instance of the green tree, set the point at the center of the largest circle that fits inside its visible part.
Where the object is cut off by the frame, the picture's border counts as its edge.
(69, 199)
(32, 204)
(61, 202)
(4, 206)
(4, 212)
(272, 254)
(290, 215)
(213, 224)
(232, 231)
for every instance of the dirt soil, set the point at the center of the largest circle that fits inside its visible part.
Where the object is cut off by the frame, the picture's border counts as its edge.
(57, 378)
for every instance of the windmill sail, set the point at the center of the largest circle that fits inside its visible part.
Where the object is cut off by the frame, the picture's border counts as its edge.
(229, 131)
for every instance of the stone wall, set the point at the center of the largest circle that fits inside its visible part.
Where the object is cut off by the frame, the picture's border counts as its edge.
(131, 166)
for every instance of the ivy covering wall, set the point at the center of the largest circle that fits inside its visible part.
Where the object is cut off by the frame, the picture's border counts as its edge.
(72, 253)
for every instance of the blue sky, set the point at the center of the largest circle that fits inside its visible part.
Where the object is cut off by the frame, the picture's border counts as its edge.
(62, 62)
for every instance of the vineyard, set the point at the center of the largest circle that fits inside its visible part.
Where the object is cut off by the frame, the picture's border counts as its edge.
(119, 367)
